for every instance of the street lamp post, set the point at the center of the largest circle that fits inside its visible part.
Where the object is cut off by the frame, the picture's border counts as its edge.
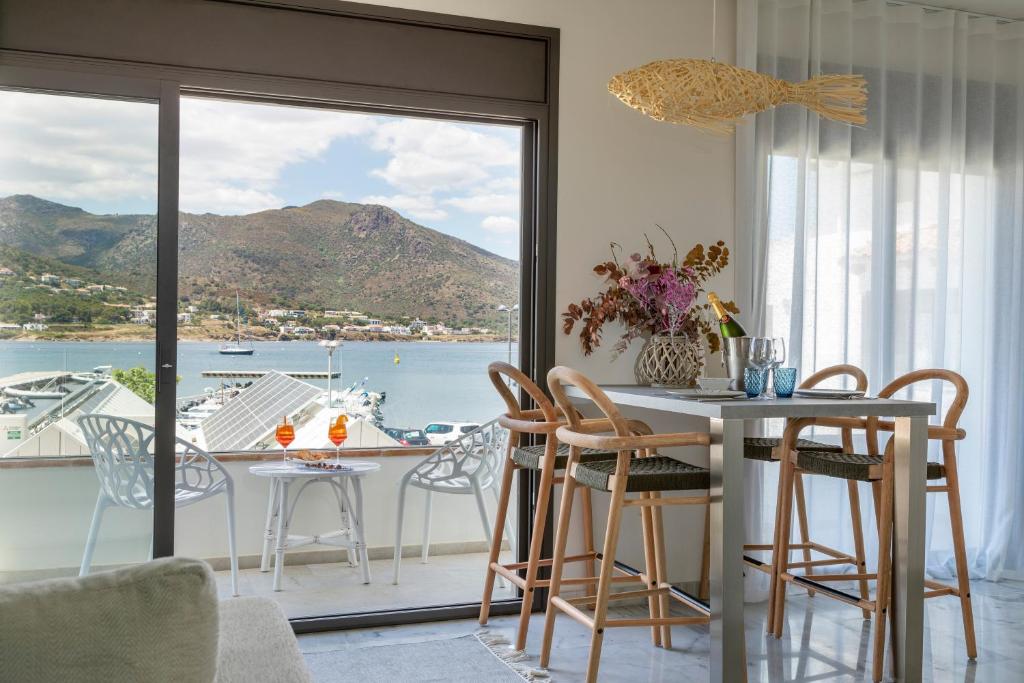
(330, 345)
(505, 309)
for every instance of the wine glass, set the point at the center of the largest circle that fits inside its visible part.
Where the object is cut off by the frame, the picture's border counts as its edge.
(337, 433)
(285, 434)
(760, 353)
(778, 358)
(778, 352)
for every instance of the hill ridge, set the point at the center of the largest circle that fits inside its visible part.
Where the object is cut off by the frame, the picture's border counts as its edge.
(324, 254)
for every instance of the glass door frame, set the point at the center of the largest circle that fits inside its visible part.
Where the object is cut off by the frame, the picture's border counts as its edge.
(165, 95)
(537, 258)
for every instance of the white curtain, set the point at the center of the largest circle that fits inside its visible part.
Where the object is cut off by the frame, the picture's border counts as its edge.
(900, 245)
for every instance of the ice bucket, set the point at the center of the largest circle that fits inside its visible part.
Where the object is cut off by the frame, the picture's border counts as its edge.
(735, 353)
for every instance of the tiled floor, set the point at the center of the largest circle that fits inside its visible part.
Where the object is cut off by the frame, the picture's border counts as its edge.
(335, 588)
(824, 641)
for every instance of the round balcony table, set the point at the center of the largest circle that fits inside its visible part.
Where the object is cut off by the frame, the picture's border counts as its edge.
(349, 534)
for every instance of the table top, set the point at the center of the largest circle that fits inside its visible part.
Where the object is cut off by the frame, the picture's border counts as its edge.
(657, 398)
(357, 468)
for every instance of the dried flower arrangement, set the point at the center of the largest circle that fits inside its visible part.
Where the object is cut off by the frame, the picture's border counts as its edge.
(651, 297)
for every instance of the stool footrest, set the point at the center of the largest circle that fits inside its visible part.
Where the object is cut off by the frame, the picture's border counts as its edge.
(842, 596)
(662, 621)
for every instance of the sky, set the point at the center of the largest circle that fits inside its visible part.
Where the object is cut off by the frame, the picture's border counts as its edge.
(239, 158)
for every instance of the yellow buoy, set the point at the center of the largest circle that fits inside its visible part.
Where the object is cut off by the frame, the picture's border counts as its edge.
(397, 359)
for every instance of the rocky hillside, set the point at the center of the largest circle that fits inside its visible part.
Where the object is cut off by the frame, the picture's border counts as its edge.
(326, 254)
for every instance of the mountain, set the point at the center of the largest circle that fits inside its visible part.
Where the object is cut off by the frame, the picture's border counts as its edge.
(326, 254)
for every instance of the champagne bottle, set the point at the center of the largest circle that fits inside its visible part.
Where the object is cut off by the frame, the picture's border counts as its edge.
(727, 325)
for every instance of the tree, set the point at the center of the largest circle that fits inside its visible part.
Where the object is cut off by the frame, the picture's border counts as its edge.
(139, 380)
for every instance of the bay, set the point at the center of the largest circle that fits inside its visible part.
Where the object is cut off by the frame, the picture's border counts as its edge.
(433, 381)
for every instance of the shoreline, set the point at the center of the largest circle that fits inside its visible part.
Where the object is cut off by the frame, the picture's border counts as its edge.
(460, 339)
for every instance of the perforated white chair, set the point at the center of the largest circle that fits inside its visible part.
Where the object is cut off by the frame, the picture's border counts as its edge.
(122, 452)
(469, 465)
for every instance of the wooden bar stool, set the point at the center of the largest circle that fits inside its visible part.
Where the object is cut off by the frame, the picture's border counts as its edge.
(545, 459)
(649, 475)
(878, 470)
(767, 450)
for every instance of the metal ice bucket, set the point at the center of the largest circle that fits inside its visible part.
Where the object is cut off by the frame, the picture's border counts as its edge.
(735, 354)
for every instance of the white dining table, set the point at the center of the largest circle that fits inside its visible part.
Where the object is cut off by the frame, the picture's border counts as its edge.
(728, 424)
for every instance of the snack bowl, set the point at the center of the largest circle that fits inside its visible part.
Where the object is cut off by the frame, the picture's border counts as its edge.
(714, 383)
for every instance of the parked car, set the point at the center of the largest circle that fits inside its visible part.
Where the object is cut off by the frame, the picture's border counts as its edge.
(416, 437)
(441, 433)
(408, 437)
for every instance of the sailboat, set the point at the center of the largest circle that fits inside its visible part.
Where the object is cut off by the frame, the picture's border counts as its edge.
(237, 349)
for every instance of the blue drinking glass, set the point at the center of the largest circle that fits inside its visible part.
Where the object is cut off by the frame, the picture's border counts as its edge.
(785, 382)
(754, 380)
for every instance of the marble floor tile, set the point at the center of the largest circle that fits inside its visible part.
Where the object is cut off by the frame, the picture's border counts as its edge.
(823, 641)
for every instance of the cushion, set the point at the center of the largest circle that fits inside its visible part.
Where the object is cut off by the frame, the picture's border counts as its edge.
(654, 473)
(151, 622)
(761, 448)
(257, 644)
(852, 465)
(530, 457)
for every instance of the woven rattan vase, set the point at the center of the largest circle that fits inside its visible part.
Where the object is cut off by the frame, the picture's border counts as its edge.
(669, 361)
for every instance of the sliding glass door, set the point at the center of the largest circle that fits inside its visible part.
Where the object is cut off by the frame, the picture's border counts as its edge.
(78, 335)
(341, 267)
(328, 267)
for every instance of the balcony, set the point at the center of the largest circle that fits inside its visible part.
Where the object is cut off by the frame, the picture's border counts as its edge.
(52, 500)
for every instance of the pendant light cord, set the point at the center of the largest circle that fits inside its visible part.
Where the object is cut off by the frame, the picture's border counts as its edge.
(714, 28)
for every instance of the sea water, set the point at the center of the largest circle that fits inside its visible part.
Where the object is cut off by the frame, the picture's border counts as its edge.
(433, 381)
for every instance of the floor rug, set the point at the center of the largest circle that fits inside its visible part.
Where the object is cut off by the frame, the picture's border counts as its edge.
(475, 658)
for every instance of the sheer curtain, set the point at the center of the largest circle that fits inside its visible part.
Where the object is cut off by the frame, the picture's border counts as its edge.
(899, 245)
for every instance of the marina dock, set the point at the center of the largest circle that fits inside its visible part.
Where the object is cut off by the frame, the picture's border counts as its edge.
(256, 374)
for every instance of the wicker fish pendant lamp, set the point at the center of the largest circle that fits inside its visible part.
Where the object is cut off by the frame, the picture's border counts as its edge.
(713, 96)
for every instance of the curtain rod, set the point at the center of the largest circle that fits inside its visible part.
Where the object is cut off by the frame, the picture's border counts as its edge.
(933, 8)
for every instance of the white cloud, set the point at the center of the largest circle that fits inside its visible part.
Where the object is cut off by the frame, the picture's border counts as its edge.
(487, 203)
(421, 207)
(500, 224)
(437, 156)
(76, 148)
(233, 154)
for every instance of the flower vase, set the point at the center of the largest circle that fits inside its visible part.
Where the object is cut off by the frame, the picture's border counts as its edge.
(669, 361)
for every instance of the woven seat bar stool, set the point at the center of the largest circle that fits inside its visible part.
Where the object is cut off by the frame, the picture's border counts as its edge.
(878, 470)
(547, 459)
(767, 450)
(648, 475)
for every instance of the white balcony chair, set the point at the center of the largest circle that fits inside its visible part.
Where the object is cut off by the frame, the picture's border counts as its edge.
(469, 465)
(121, 450)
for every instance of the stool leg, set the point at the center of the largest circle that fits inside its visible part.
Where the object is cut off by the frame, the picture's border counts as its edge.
(858, 540)
(611, 540)
(801, 520)
(499, 525)
(547, 473)
(779, 491)
(558, 561)
(956, 520)
(876, 493)
(651, 568)
(586, 503)
(780, 556)
(661, 562)
(884, 573)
